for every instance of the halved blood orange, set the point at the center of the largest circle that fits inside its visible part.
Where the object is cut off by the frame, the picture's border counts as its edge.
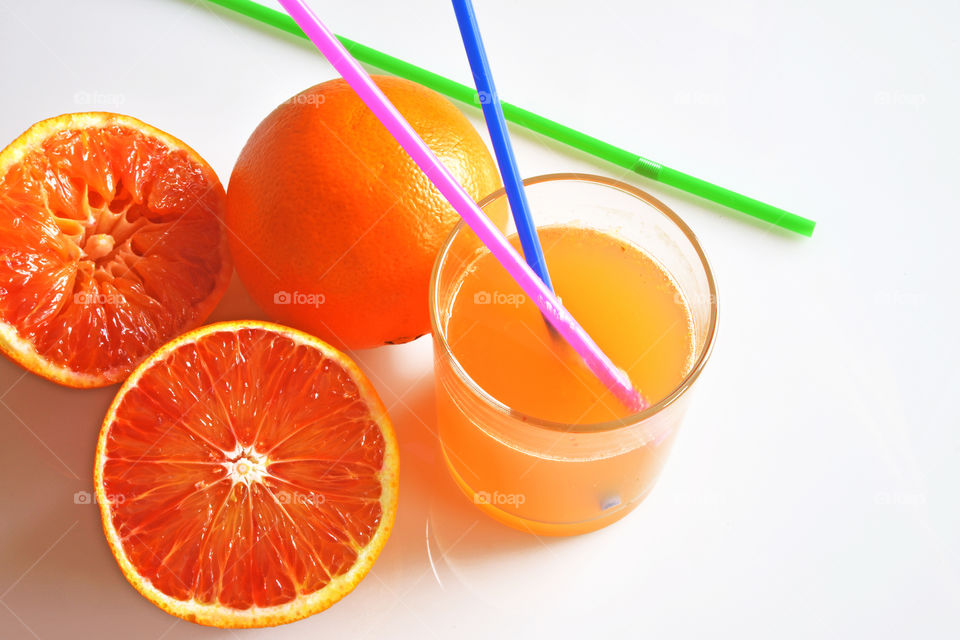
(247, 475)
(110, 245)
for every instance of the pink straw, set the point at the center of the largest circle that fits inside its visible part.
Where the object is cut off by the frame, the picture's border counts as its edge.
(612, 376)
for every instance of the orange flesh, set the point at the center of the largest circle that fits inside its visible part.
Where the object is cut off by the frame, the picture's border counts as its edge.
(109, 240)
(243, 470)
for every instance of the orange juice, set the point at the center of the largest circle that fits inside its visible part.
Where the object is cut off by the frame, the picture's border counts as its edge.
(527, 432)
(620, 295)
(635, 312)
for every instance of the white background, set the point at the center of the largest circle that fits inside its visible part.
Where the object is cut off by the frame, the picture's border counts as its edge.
(813, 490)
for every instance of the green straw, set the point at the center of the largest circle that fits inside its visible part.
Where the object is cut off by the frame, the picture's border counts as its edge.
(541, 125)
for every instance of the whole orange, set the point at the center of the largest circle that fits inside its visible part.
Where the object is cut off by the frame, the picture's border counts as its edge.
(334, 228)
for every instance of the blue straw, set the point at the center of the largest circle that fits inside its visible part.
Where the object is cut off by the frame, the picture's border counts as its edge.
(497, 126)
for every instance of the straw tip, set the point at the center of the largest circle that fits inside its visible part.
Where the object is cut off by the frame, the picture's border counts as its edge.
(634, 400)
(628, 394)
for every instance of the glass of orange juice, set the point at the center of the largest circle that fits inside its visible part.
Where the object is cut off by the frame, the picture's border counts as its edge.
(527, 432)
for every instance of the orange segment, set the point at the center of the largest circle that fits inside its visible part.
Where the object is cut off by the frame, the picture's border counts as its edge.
(247, 475)
(110, 245)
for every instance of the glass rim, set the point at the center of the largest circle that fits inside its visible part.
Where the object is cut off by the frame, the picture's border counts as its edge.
(439, 334)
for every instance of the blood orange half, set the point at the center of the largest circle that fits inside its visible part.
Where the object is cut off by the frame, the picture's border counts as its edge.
(247, 475)
(110, 245)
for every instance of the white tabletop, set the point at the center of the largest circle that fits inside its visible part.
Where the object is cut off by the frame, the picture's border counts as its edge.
(813, 489)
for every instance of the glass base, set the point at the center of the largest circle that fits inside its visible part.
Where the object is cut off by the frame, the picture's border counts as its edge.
(535, 526)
